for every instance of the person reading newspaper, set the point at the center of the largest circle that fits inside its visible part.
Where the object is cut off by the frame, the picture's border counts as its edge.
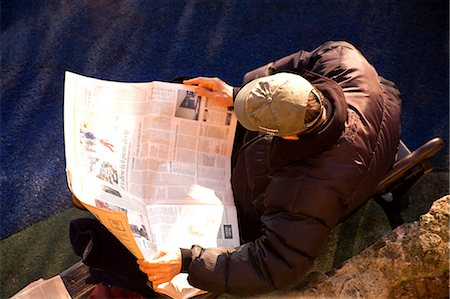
(319, 130)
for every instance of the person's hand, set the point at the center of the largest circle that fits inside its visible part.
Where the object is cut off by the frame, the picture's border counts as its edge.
(162, 268)
(213, 88)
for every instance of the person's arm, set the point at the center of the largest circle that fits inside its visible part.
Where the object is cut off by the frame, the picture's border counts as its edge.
(333, 59)
(291, 238)
(296, 62)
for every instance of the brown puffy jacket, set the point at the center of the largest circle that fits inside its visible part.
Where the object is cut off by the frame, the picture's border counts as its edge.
(291, 194)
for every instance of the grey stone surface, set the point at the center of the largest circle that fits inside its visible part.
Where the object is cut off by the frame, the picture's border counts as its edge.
(409, 262)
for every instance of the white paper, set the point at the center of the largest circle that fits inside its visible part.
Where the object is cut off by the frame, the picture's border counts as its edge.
(152, 161)
(44, 289)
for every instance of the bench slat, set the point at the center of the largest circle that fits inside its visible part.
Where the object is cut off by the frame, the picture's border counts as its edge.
(74, 279)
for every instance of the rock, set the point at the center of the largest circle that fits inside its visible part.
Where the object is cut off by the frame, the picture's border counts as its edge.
(412, 261)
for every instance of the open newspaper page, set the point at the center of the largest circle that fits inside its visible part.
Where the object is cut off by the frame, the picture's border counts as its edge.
(44, 289)
(152, 162)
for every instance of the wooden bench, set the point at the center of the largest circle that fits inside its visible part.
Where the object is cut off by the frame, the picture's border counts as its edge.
(393, 190)
(74, 279)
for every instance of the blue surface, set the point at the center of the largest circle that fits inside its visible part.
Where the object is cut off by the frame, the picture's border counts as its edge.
(407, 41)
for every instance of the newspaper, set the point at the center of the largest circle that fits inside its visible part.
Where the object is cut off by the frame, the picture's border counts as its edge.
(44, 289)
(151, 161)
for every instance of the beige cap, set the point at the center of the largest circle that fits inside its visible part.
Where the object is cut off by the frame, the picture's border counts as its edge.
(275, 104)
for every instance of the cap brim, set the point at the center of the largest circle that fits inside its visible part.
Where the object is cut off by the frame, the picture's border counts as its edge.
(240, 106)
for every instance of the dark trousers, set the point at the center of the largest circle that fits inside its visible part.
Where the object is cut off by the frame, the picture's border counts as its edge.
(109, 261)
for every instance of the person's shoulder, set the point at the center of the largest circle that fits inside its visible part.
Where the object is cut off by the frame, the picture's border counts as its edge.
(331, 45)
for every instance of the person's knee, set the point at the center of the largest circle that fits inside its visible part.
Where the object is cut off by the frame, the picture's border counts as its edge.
(81, 232)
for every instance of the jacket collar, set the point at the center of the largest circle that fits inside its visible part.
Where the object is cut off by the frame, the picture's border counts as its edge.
(286, 151)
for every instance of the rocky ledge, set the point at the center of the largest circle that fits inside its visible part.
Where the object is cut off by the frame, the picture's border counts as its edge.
(412, 261)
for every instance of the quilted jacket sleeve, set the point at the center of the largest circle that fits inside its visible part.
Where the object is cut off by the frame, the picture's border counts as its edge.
(292, 236)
